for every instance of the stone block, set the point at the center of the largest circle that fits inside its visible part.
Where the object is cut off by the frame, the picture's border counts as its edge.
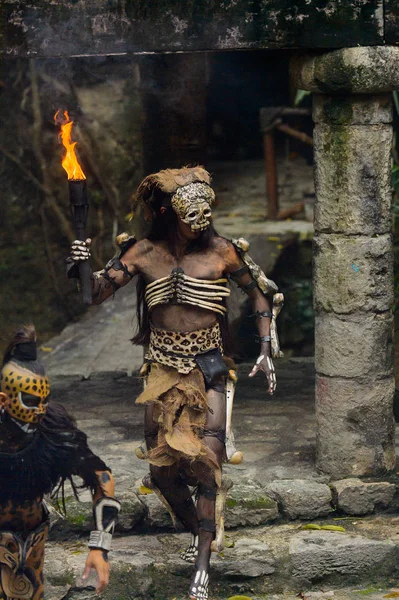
(157, 516)
(79, 514)
(354, 345)
(352, 109)
(301, 498)
(353, 274)
(353, 179)
(336, 557)
(357, 70)
(132, 511)
(77, 519)
(248, 558)
(58, 28)
(248, 504)
(382, 493)
(356, 497)
(351, 496)
(355, 426)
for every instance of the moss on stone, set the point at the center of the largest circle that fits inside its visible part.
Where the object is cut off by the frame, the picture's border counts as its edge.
(78, 513)
(338, 110)
(260, 502)
(331, 74)
(67, 578)
(336, 150)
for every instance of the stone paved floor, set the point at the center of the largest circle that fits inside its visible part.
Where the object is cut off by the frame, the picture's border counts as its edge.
(276, 435)
(89, 363)
(259, 563)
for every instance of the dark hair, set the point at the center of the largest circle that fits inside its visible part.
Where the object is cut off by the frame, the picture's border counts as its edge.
(22, 350)
(164, 227)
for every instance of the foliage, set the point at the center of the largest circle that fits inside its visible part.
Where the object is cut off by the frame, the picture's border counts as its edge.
(299, 96)
(297, 318)
(34, 211)
(395, 199)
(293, 273)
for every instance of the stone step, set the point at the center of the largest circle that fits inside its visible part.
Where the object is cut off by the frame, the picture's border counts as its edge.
(276, 561)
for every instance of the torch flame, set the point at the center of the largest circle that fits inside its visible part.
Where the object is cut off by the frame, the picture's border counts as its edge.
(70, 161)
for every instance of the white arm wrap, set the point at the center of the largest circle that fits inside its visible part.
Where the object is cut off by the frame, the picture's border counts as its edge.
(105, 513)
(100, 539)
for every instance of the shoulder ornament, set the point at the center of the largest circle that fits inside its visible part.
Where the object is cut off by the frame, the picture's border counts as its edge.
(266, 285)
(125, 241)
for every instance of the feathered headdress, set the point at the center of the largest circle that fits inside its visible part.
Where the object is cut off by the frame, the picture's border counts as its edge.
(167, 182)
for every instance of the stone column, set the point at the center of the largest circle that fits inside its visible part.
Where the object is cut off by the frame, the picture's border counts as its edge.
(353, 258)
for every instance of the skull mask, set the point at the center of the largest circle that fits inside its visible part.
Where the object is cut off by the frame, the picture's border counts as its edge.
(192, 204)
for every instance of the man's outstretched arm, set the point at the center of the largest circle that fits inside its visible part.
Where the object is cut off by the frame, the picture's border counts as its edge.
(242, 275)
(105, 511)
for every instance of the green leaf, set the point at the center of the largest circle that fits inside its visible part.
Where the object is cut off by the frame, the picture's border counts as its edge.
(299, 96)
(396, 100)
(333, 528)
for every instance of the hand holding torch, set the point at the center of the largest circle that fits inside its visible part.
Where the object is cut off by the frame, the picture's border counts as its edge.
(78, 199)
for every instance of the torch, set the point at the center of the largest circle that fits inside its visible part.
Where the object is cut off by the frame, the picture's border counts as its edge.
(77, 197)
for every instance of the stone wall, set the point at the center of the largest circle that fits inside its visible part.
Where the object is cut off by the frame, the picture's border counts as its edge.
(59, 28)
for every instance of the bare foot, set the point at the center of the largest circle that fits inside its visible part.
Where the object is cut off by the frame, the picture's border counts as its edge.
(199, 585)
(191, 553)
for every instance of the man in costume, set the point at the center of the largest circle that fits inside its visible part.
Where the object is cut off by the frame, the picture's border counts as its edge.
(41, 447)
(183, 267)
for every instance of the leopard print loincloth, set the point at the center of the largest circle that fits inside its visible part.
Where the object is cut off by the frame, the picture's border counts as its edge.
(177, 349)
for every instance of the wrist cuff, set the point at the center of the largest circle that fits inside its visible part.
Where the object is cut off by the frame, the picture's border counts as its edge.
(100, 539)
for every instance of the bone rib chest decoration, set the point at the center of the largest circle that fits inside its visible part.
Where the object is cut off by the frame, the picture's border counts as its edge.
(179, 288)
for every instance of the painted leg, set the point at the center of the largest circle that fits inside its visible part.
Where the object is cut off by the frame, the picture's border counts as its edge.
(206, 517)
(218, 543)
(172, 491)
(207, 493)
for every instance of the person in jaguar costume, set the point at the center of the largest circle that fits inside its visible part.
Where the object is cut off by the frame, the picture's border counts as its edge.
(182, 269)
(41, 447)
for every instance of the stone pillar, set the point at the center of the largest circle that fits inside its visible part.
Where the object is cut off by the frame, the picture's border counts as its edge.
(353, 258)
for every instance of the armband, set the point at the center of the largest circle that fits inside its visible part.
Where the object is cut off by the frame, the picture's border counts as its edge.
(117, 265)
(241, 271)
(105, 512)
(260, 315)
(104, 279)
(248, 286)
(262, 338)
